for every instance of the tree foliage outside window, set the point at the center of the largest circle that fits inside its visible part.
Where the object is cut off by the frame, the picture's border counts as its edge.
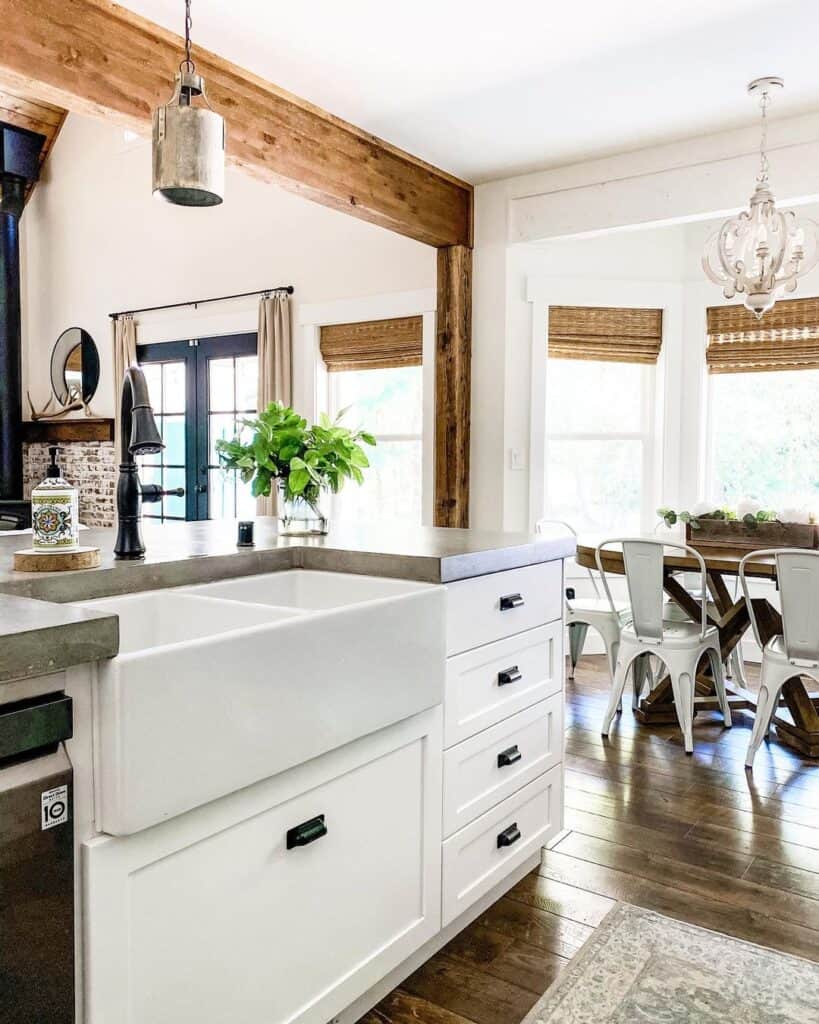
(765, 438)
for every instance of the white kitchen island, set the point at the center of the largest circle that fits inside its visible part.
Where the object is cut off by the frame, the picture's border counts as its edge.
(297, 834)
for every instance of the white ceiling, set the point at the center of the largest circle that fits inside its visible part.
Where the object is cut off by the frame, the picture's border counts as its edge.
(488, 89)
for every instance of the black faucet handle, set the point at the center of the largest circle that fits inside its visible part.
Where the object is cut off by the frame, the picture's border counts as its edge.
(153, 492)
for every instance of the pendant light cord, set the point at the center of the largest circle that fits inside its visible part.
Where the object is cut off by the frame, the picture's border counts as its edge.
(188, 64)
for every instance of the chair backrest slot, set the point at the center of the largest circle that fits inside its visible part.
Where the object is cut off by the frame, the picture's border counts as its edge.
(644, 561)
(644, 575)
(798, 576)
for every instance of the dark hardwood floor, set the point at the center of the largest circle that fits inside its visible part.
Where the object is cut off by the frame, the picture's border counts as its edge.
(695, 838)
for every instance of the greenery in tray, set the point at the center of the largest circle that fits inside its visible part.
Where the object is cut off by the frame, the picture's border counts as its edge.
(306, 458)
(746, 512)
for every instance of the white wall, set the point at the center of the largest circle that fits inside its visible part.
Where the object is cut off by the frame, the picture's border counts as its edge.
(94, 240)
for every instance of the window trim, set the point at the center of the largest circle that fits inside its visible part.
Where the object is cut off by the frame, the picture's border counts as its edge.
(311, 317)
(543, 291)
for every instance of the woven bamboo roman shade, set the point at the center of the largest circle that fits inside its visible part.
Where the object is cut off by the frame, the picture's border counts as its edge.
(372, 345)
(609, 333)
(787, 338)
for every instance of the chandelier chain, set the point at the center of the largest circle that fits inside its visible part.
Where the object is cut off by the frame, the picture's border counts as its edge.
(762, 177)
(188, 64)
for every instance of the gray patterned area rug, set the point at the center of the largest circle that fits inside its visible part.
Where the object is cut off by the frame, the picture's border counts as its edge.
(641, 968)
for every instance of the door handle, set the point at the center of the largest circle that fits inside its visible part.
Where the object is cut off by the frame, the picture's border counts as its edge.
(509, 675)
(510, 756)
(306, 833)
(509, 836)
(509, 601)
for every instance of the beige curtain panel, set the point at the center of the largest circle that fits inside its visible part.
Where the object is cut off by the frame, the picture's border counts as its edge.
(124, 356)
(786, 338)
(275, 348)
(372, 345)
(608, 333)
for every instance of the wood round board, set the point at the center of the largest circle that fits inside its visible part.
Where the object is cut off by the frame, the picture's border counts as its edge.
(30, 560)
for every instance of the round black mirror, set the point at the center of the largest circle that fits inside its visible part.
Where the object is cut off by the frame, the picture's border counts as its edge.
(75, 367)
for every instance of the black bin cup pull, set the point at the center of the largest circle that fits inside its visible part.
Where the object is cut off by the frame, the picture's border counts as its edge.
(306, 833)
(509, 836)
(509, 757)
(509, 675)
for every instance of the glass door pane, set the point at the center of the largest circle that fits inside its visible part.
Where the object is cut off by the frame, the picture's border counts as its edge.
(231, 398)
(168, 468)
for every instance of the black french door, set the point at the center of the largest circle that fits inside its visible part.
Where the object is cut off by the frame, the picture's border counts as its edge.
(200, 391)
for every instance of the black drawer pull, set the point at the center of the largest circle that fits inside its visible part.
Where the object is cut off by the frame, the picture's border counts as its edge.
(510, 756)
(307, 832)
(509, 675)
(511, 601)
(509, 836)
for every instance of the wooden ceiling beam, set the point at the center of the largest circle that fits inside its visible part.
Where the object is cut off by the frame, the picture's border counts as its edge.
(21, 110)
(94, 57)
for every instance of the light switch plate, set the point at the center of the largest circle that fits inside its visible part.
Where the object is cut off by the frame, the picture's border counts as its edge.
(517, 458)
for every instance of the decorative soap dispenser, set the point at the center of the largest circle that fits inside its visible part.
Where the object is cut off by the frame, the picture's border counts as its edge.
(55, 511)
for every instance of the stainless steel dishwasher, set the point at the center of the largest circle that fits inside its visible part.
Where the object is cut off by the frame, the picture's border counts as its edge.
(36, 862)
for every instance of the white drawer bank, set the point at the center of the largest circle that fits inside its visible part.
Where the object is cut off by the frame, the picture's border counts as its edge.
(222, 914)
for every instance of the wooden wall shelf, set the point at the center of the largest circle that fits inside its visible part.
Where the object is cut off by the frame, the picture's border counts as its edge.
(69, 430)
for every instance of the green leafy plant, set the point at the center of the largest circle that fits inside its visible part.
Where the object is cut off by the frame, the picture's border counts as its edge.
(308, 459)
(751, 519)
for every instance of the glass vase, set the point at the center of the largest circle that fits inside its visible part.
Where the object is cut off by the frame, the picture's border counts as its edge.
(299, 517)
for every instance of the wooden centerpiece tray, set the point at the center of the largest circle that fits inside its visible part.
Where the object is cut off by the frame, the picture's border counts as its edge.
(734, 533)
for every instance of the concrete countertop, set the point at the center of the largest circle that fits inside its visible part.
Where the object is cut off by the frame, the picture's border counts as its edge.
(184, 553)
(38, 637)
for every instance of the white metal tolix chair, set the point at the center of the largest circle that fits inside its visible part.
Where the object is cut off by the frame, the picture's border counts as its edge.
(796, 651)
(601, 614)
(679, 645)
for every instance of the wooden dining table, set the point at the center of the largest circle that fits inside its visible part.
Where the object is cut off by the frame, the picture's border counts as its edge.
(797, 720)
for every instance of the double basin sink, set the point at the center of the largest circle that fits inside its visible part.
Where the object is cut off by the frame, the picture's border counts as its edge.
(220, 685)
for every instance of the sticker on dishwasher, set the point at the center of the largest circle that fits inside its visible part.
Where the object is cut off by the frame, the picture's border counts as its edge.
(54, 807)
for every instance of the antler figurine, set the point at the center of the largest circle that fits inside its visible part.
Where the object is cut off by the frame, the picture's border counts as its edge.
(44, 413)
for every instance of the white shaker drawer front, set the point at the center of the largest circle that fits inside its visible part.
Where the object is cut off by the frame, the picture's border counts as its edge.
(482, 854)
(487, 608)
(491, 683)
(487, 768)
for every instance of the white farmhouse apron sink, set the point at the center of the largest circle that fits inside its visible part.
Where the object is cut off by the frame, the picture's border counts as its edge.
(306, 589)
(220, 686)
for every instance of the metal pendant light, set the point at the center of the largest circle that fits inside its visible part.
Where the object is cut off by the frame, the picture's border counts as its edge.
(188, 140)
(762, 252)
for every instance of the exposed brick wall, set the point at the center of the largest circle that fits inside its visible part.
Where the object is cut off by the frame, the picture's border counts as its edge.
(89, 465)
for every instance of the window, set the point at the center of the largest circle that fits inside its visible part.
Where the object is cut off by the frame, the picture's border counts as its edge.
(375, 373)
(598, 445)
(200, 391)
(388, 403)
(765, 438)
(600, 416)
(763, 429)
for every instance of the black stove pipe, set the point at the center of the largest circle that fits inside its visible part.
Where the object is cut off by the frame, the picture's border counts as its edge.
(11, 394)
(19, 166)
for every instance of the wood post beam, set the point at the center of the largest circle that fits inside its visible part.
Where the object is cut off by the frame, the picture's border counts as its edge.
(93, 57)
(453, 357)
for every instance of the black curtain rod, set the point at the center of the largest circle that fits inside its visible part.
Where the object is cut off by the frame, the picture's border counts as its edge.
(201, 302)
